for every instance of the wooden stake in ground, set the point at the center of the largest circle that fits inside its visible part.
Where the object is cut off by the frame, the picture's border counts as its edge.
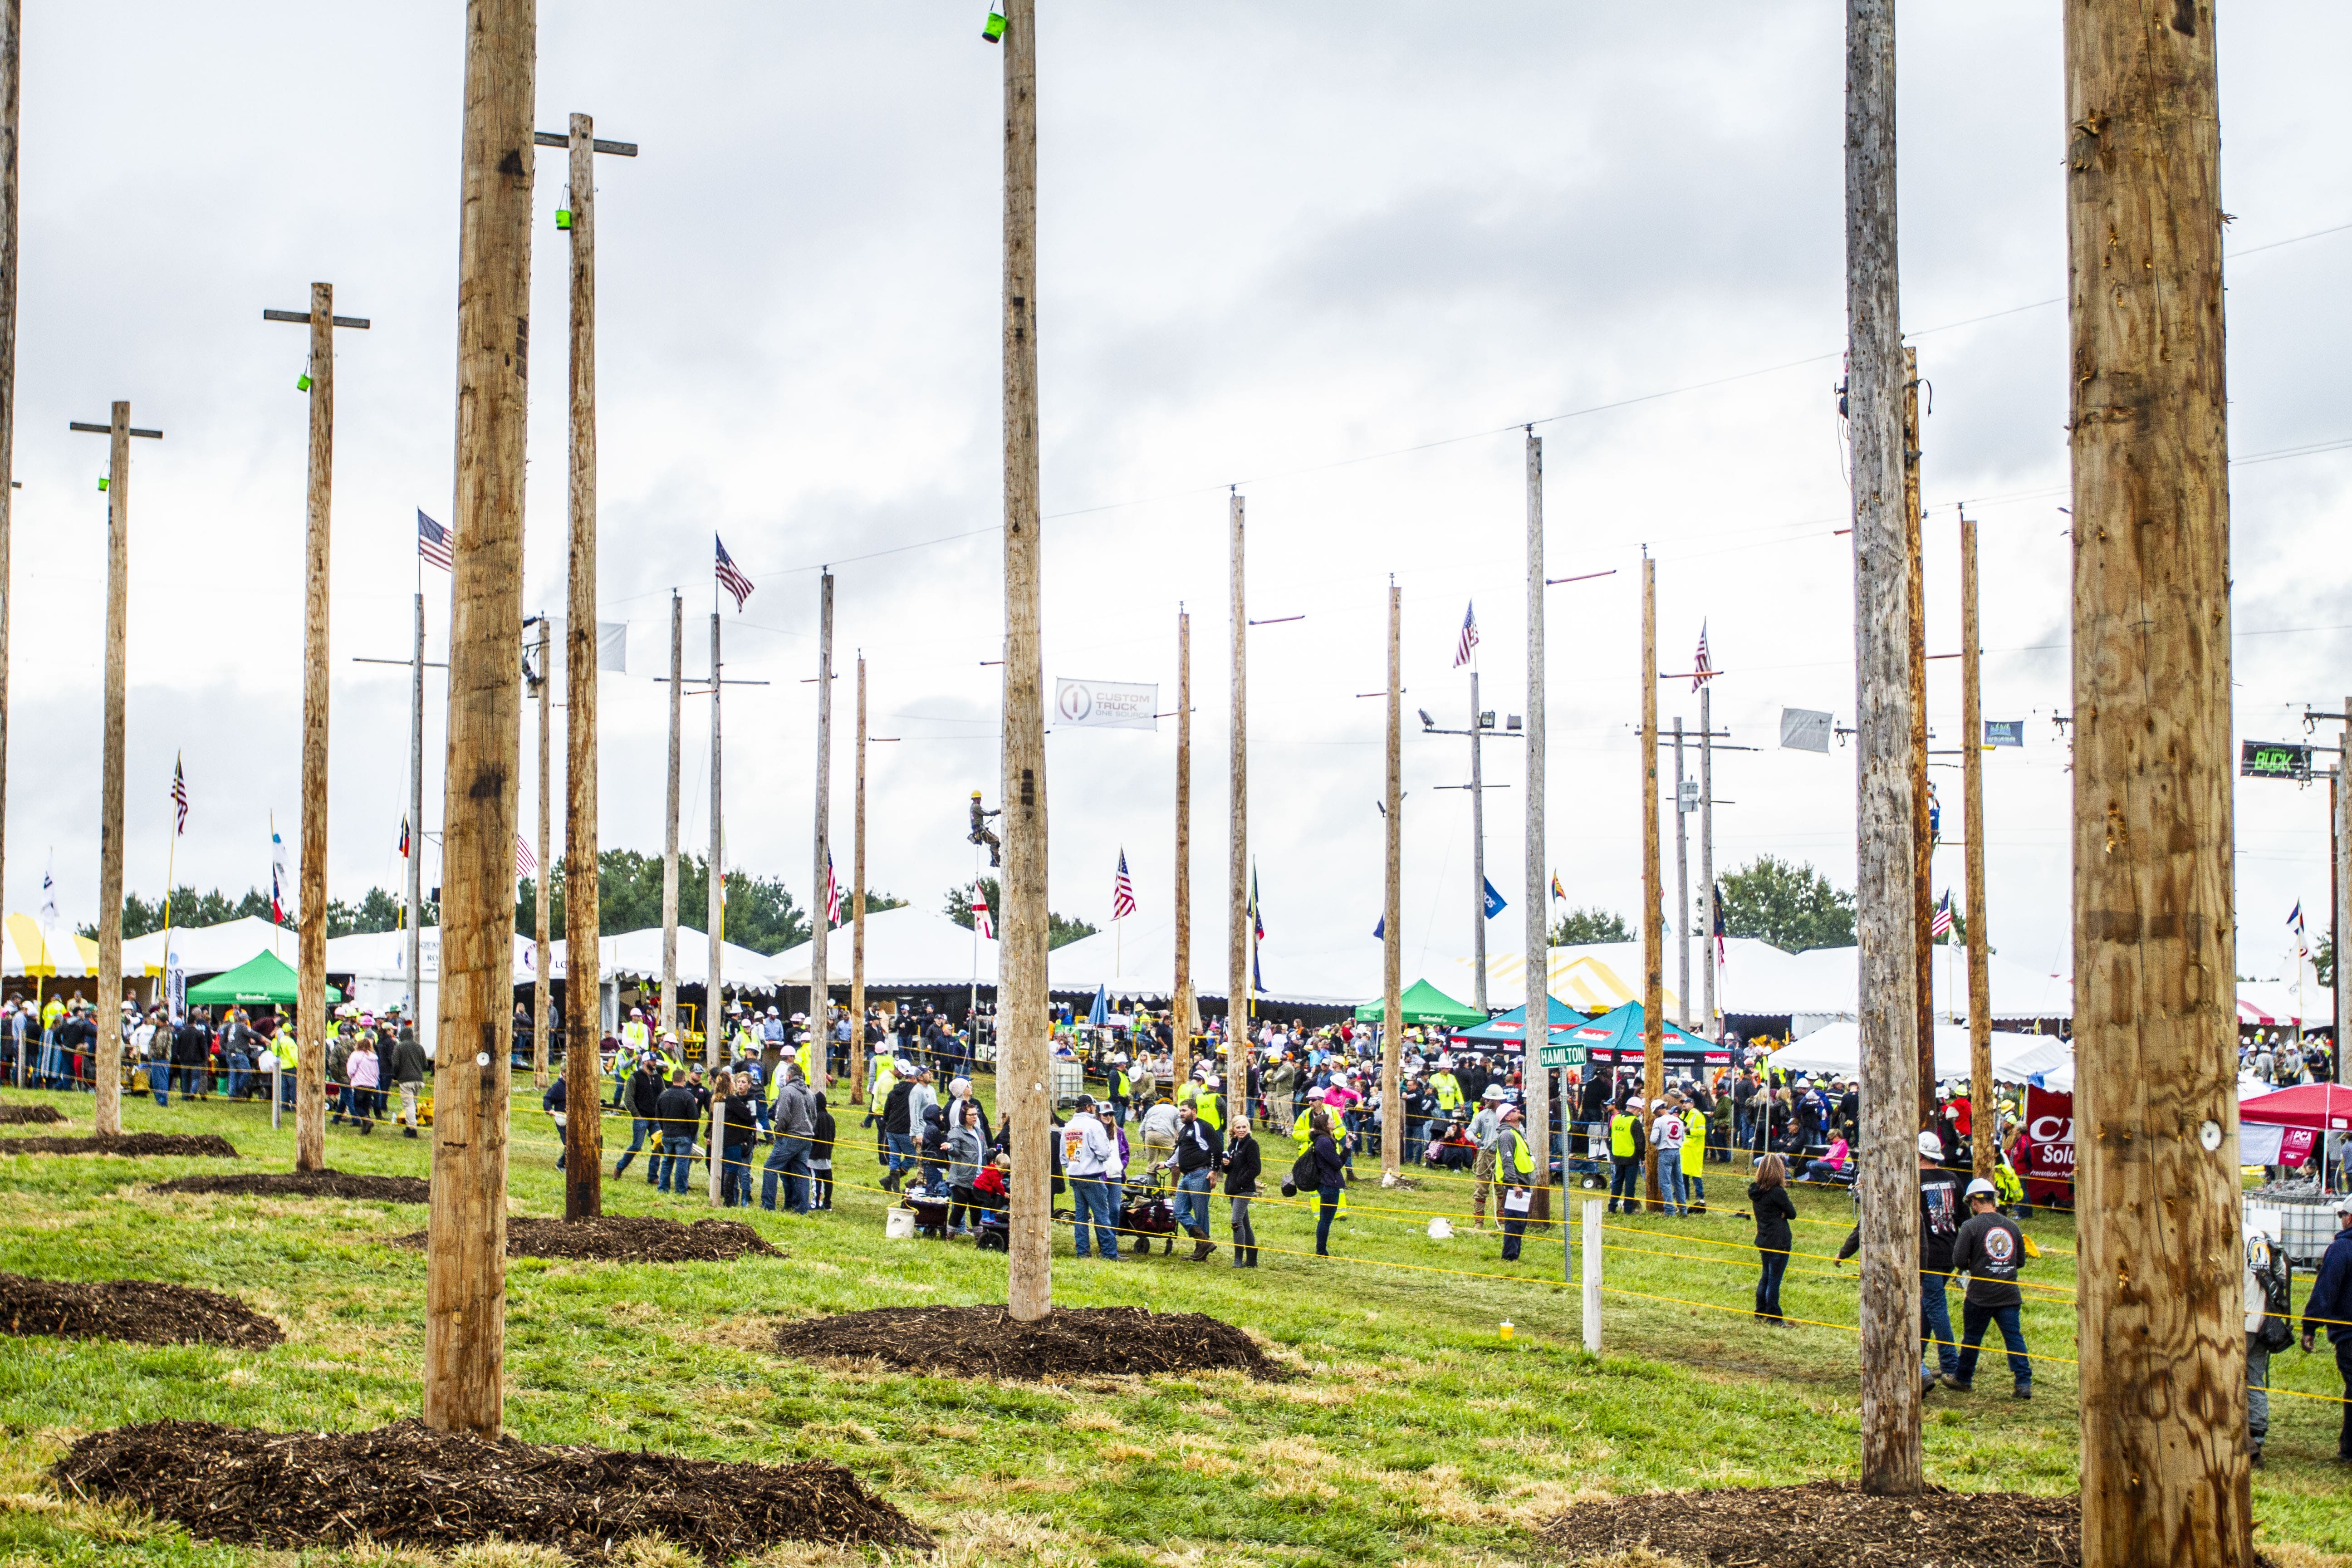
(1653, 896)
(857, 912)
(669, 839)
(2159, 1297)
(1237, 900)
(311, 941)
(1984, 1122)
(106, 1116)
(1025, 1067)
(1187, 1008)
(465, 1307)
(1922, 840)
(1535, 902)
(11, 70)
(1889, 977)
(820, 1004)
(540, 889)
(1392, 901)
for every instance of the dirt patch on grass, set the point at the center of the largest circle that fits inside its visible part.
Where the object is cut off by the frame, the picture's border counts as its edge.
(985, 1342)
(134, 1145)
(1827, 1524)
(307, 1184)
(410, 1485)
(146, 1312)
(27, 1115)
(629, 1238)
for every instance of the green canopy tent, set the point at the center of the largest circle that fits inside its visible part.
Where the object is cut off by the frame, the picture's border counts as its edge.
(1423, 1004)
(263, 978)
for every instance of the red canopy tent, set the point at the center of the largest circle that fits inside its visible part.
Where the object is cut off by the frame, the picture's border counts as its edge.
(2315, 1107)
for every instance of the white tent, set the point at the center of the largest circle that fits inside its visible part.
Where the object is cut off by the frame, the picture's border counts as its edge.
(1140, 962)
(208, 949)
(28, 948)
(906, 948)
(638, 955)
(1836, 1048)
(384, 955)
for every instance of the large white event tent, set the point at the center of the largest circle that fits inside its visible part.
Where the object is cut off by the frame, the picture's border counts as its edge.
(28, 948)
(209, 950)
(1836, 1050)
(907, 949)
(1139, 963)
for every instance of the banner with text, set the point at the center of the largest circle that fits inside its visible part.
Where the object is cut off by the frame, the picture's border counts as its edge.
(2046, 1148)
(1105, 704)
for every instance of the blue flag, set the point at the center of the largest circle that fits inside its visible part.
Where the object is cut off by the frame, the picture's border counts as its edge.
(1381, 928)
(1495, 904)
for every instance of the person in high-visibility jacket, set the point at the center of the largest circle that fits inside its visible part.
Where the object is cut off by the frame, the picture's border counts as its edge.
(1210, 1107)
(1516, 1163)
(1627, 1138)
(1694, 1156)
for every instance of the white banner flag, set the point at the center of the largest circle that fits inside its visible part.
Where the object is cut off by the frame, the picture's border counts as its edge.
(1105, 704)
(1804, 730)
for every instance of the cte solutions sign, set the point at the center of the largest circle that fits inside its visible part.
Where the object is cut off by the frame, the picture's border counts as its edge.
(2046, 1149)
(1105, 705)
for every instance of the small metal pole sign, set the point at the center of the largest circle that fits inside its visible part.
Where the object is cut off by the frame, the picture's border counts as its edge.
(1560, 1054)
(2274, 760)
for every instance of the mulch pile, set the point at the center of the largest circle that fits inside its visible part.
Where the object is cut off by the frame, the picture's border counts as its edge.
(1828, 1524)
(145, 1310)
(137, 1145)
(629, 1238)
(22, 1115)
(416, 1487)
(307, 1184)
(1073, 1341)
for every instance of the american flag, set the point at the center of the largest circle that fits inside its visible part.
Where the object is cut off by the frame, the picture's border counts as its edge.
(434, 541)
(1943, 923)
(1122, 892)
(831, 893)
(1469, 636)
(179, 797)
(730, 577)
(1702, 665)
(980, 922)
(526, 863)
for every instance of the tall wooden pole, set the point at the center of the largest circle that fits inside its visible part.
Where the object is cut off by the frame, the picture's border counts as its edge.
(2339, 802)
(1889, 976)
(715, 902)
(413, 962)
(1392, 907)
(465, 1308)
(584, 1129)
(1477, 848)
(1681, 888)
(1535, 904)
(1985, 1138)
(11, 68)
(310, 939)
(106, 1118)
(1188, 1007)
(820, 1003)
(1708, 1020)
(857, 912)
(1237, 909)
(1024, 1066)
(1922, 841)
(2160, 1299)
(1653, 896)
(669, 832)
(541, 900)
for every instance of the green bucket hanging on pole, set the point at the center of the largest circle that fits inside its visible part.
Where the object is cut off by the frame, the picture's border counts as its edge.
(302, 382)
(994, 31)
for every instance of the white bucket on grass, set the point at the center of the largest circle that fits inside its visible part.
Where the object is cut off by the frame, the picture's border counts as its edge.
(898, 1225)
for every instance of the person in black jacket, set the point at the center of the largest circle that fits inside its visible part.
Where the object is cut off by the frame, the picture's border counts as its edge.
(1767, 1195)
(552, 1103)
(644, 1090)
(1330, 1174)
(678, 1112)
(896, 1132)
(1200, 1148)
(192, 1046)
(1241, 1185)
(820, 1155)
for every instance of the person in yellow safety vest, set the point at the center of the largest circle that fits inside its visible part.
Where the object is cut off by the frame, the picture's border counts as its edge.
(1693, 1155)
(1187, 1090)
(1210, 1107)
(745, 1044)
(1517, 1168)
(1447, 1088)
(637, 1040)
(1626, 1141)
(672, 1065)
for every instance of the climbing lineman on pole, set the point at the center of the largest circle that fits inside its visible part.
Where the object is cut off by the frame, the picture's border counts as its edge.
(980, 832)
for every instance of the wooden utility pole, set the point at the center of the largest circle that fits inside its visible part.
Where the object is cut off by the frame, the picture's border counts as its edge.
(1024, 1066)
(669, 839)
(1653, 896)
(1392, 903)
(1237, 901)
(857, 911)
(1923, 838)
(714, 995)
(1884, 911)
(820, 1004)
(1682, 887)
(2163, 1354)
(584, 1131)
(11, 68)
(2339, 803)
(106, 1116)
(540, 889)
(1985, 1123)
(1188, 1007)
(1535, 904)
(465, 1291)
(310, 939)
(1708, 1020)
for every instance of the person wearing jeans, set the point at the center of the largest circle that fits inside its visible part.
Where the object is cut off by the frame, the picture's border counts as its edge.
(2329, 1310)
(793, 1120)
(1090, 1161)
(1667, 1139)
(645, 1087)
(1939, 1217)
(1991, 1250)
(1768, 1199)
(1330, 1175)
(674, 1164)
(1199, 1149)
(1241, 1185)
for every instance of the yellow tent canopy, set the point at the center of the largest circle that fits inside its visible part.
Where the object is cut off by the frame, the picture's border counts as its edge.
(28, 950)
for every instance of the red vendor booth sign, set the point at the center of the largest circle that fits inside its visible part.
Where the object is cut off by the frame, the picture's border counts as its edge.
(2046, 1148)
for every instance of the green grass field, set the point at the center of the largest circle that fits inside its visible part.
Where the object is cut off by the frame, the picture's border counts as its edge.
(1418, 1437)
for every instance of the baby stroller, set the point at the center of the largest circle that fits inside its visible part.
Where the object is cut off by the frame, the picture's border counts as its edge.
(1143, 1214)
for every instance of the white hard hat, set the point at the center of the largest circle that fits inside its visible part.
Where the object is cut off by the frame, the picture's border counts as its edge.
(1931, 1146)
(1982, 1186)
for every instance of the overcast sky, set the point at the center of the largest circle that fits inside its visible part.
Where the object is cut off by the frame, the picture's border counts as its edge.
(1334, 253)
